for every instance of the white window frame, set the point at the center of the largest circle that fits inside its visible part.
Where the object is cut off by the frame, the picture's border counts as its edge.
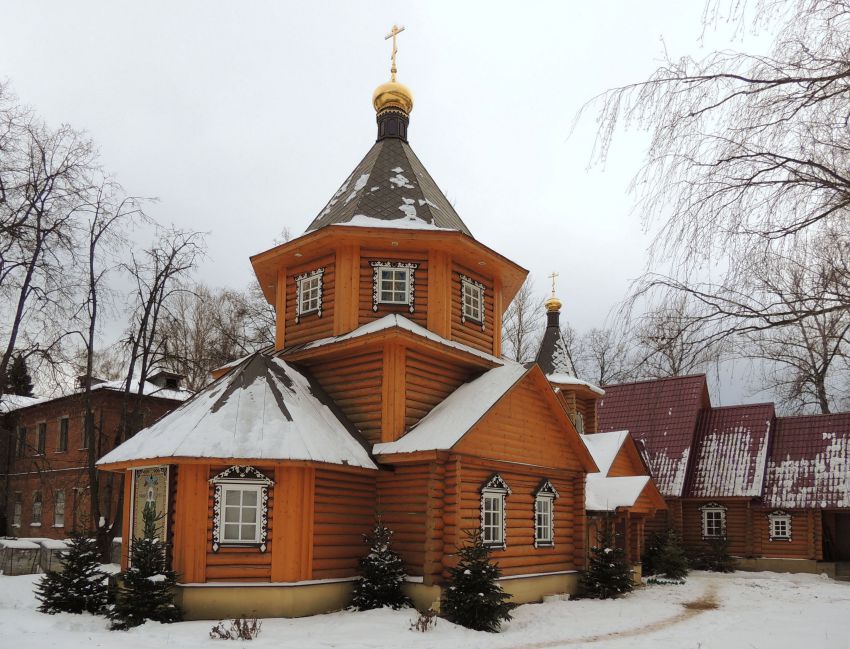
(17, 508)
(494, 495)
(37, 499)
(241, 489)
(309, 291)
(409, 270)
(708, 513)
(242, 478)
(544, 498)
(470, 288)
(778, 519)
(59, 508)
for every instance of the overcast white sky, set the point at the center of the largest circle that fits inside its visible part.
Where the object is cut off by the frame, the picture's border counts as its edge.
(244, 118)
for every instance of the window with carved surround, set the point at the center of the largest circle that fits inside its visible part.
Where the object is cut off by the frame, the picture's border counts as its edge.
(240, 508)
(544, 515)
(394, 282)
(471, 300)
(780, 525)
(713, 521)
(308, 293)
(494, 523)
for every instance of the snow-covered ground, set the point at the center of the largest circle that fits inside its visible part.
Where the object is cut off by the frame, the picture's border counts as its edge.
(762, 610)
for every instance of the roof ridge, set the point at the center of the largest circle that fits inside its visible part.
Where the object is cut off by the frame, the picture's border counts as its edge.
(659, 380)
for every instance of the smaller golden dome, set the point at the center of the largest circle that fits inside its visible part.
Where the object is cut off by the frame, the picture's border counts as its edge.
(553, 304)
(392, 94)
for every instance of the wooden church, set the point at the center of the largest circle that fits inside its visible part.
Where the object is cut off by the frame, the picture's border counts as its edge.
(385, 394)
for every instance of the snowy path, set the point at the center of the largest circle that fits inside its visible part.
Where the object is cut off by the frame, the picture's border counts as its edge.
(762, 610)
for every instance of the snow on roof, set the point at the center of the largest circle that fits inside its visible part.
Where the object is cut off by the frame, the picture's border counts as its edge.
(661, 415)
(18, 544)
(562, 378)
(396, 320)
(606, 494)
(10, 402)
(264, 410)
(604, 448)
(809, 464)
(731, 451)
(443, 427)
(406, 221)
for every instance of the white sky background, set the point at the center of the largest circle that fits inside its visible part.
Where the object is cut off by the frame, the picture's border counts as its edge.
(244, 118)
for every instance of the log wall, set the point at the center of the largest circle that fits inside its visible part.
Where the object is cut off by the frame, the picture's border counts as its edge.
(471, 333)
(428, 381)
(310, 326)
(367, 274)
(344, 510)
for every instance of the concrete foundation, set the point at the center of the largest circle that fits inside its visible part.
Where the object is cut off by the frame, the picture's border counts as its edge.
(788, 565)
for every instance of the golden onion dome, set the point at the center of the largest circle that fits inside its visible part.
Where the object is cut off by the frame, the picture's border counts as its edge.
(392, 94)
(553, 304)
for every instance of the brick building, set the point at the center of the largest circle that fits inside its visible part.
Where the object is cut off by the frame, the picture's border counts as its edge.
(44, 482)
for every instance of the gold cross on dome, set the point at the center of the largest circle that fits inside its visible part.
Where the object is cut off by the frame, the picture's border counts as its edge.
(552, 277)
(396, 30)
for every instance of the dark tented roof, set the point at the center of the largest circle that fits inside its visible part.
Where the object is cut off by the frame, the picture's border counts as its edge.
(809, 463)
(731, 451)
(662, 416)
(390, 188)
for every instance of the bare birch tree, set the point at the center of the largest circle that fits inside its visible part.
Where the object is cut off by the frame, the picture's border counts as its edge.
(522, 324)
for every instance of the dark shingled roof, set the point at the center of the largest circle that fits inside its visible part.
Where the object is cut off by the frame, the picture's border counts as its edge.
(552, 355)
(730, 453)
(662, 416)
(391, 185)
(809, 463)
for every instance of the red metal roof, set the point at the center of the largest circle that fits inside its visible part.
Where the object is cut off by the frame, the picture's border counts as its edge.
(809, 463)
(730, 452)
(661, 415)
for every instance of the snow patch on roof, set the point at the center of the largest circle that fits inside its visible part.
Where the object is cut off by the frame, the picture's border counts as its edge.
(730, 462)
(408, 207)
(264, 410)
(400, 180)
(668, 470)
(401, 223)
(444, 426)
(821, 480)
(10, 402)
(604, 448)
(562, 378)
(603, 494)
(396, 320)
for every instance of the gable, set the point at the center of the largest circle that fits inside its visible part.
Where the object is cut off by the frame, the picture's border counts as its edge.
(528, 425)
(628, 460)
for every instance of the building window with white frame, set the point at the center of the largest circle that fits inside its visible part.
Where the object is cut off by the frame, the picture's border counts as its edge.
(16, 509)
(308, 289)
(471, 300)
(240, 508)
(393, 284)
(713, 521)
(780, 526)
(62, 441)
(35, 519)
(494, 494)
(544, 515)
(59, 509)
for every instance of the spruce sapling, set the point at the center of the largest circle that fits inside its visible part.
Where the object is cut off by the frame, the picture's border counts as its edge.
(381, 573)
(80, 586)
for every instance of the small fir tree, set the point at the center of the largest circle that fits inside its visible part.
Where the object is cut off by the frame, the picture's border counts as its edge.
(80, 586)
(672, 562)
(473, 598)
(381, 573)
(609, 574)
(715, 557)
(146, 590)
(665, 556)
(18, 380)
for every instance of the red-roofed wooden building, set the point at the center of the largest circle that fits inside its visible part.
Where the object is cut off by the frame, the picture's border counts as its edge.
(777, 488)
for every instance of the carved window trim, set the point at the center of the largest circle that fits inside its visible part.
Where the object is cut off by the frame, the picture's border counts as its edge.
(300, 280)
(378, 266)
(476, 287)
(709, 511)
(777, 520)
(495, 490)
(545, 495)
(240, 476)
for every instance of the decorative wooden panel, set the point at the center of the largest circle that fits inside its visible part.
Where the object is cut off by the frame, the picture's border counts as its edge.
(420, 313)
(471, 333)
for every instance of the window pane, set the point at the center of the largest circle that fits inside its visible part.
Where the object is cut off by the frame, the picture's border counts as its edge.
(231, 532)
(249, 532)
(249, 498)
(231, 497)
(249, 515)
(231, 514)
